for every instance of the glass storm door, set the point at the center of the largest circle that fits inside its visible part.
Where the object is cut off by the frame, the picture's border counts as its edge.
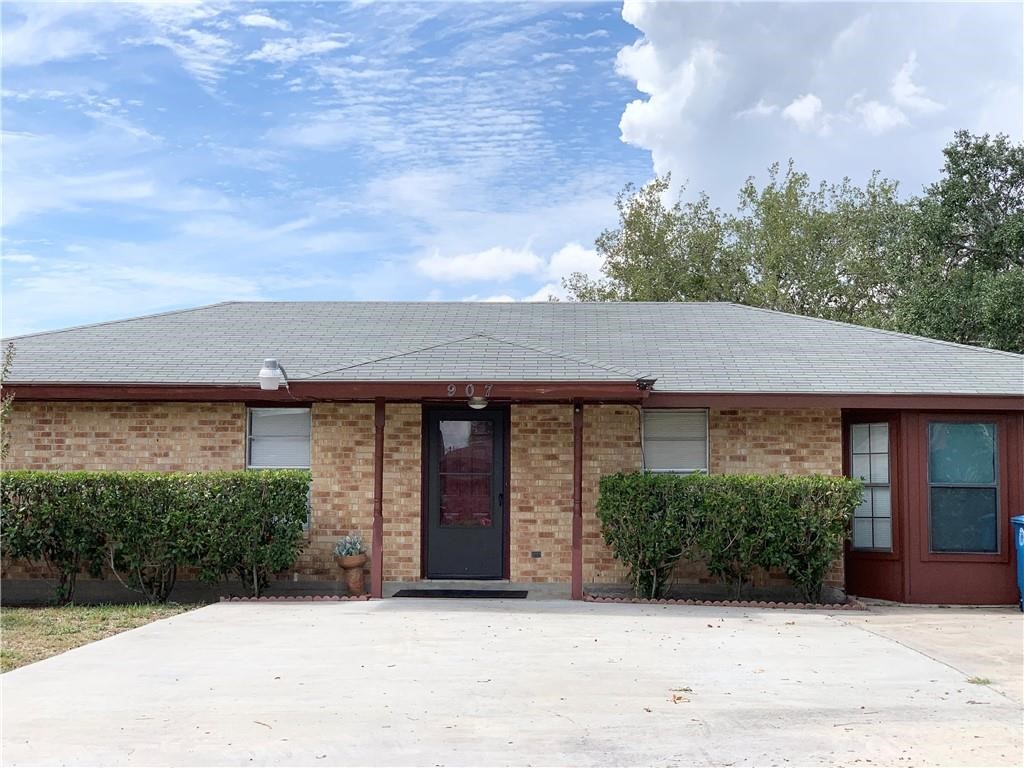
(465, 495)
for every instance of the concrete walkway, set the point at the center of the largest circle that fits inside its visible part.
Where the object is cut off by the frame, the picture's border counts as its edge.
(478, 683)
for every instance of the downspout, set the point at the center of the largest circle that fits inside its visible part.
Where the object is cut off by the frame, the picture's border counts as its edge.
(377, 547)
(577, 500)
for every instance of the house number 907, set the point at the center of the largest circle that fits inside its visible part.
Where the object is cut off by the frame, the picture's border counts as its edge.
(470, 390)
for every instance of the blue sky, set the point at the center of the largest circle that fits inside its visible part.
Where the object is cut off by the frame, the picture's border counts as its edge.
(166, 155)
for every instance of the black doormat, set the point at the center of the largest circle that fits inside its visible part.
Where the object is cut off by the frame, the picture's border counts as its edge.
(503, 594)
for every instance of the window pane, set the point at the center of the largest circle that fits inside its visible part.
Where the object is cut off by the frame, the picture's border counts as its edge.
(879, 438)
(279, 437)
(860, 441)
(466, 501)
(883, 532)
(881, 501)
(861, 467)
(879, 468)
(862, 533)
(961, 453)
(864, 508)
(467, 446)
(964, 520)
(271, 422)
(663, 454)
(675, 440)
(279, 452)
(676, 425)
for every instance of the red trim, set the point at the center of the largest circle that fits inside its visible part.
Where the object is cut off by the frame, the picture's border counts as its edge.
(577, 501)
(377, 549)
(824, 400)
(306, 391)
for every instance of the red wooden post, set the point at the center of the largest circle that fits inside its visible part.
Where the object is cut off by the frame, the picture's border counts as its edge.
(377, 547)
(577, 500)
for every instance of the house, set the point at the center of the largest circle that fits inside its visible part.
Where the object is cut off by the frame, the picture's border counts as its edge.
(466, 440)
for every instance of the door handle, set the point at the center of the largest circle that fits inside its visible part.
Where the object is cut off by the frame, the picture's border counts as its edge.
(501, 502)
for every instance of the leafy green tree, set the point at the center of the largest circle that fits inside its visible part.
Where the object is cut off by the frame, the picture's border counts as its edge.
(948, 265)
(6, 402)
(663, 252)
(964, 278)
(790, 246)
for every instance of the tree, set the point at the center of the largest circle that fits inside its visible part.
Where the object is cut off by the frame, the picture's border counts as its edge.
(790, 247)
(663, 253)
(6, 402)
(949, 265)
(964, 279)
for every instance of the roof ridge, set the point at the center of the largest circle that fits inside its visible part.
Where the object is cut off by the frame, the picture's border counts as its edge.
(391, 356)
(872, 329)
(182, 311)
(566, 356)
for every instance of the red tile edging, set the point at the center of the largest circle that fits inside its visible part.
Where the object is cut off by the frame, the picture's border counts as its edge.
(295, 599)
(852, 604)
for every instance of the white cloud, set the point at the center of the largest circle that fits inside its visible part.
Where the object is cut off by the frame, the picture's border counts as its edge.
(493, 264)
(573, 257)
(19, 258)
(908, 94)
(43, 35)
(670, 83)
(879, 118)
(502, 264)
(263, 21)
(806, 112)
(292, 49)
(760, 109)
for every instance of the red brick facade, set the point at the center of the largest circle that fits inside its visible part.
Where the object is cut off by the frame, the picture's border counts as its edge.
(207, 436)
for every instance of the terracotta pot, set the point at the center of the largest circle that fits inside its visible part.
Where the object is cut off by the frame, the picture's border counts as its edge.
(352, 565)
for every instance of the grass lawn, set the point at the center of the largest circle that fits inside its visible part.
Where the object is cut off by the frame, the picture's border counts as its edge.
(31, 634)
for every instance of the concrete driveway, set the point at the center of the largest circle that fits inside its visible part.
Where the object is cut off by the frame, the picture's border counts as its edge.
(477, 683)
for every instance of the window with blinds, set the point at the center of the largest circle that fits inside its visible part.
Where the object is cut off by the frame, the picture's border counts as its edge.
(279, 438)
(675, 441)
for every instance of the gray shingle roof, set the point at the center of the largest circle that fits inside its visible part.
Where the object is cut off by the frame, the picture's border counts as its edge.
(713, 347)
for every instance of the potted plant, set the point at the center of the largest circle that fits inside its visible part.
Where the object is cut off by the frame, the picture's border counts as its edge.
(351, 556)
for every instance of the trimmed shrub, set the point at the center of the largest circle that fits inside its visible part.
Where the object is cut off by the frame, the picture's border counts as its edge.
(48, 516)
(145, 526)
(733, 523)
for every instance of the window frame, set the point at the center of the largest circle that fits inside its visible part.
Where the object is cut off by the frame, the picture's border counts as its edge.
(706, 469)
(249, 436)
(1004, 428)
(995, 485)
(896, 480)
(869, 485)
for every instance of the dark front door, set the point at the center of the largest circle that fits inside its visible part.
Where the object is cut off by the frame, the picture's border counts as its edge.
(465, 526)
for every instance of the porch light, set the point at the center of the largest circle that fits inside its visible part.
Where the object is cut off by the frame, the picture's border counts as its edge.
(477, 403)
(271, 375)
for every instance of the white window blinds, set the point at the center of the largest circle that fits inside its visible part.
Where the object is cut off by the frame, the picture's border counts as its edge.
(676, 441)
(279, 438)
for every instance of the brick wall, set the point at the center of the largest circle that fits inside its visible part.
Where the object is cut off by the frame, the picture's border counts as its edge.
(402, 477)
(211, 436)
(341, 462)
(161, 437)
(541, 492)
(787, 442)
(611, 443)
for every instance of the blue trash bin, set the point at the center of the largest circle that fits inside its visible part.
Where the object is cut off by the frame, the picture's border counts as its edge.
(1018, 541)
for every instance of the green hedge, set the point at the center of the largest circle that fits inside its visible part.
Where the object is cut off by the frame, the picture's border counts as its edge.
(733, 523)
(144, 526)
